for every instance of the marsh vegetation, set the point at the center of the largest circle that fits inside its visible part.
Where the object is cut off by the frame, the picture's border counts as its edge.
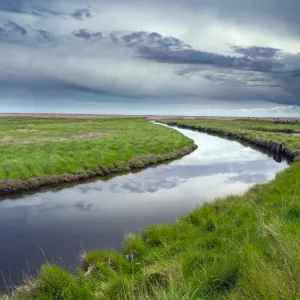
(238, 247)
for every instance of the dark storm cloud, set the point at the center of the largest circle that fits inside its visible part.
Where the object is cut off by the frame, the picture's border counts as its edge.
(256, 52)
(171, 50)
(247, 69)
(196, 57)
(158, 48)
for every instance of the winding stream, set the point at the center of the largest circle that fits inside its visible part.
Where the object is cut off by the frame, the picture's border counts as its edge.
(58, 225)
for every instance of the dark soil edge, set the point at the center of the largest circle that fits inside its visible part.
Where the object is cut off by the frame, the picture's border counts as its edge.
(272, 147)
(10, 187)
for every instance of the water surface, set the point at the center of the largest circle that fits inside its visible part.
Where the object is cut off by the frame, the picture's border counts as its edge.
(58, 225)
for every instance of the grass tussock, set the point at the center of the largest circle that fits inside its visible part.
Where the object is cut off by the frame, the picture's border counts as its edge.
(240, 247)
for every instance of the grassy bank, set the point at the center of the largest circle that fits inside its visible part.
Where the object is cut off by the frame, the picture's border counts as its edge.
(39, 152)
(240, 247)
(276, 125)
(272, 136)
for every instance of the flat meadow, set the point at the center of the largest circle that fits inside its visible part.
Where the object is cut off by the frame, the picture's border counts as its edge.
(33, 147)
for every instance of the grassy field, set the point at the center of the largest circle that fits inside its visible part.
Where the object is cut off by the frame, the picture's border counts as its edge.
(40, 147)
(240, 247)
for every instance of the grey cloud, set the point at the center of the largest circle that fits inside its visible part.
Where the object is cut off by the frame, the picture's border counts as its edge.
(30, 7)
(154, 46)
(236, 76)
(256, 52)
(38, 82)
(20, 11)
(152, 40)
(271, 14)
(197, 57)
(82, 14)
(40, 8)
(13, 33)
(97, 35)
(45, 34)
(16, 6)
(145, 64)
(85, 34)
(257, 13)
(11, 29)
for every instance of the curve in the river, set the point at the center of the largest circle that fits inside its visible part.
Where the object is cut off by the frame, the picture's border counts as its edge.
(58, 225)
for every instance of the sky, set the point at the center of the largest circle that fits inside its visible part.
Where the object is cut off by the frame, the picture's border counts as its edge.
(184, 57)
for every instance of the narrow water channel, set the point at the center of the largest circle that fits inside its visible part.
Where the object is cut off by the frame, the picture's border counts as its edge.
(58, 225)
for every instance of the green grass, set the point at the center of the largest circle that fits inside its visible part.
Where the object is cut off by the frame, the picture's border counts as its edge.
(251, 130)
(248, 124)
(36, 148)
(239, 247)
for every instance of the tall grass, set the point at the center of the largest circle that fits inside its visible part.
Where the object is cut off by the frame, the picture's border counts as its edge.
(25, 154)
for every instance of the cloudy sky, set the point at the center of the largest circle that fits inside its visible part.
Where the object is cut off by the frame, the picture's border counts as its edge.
(193, 57)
